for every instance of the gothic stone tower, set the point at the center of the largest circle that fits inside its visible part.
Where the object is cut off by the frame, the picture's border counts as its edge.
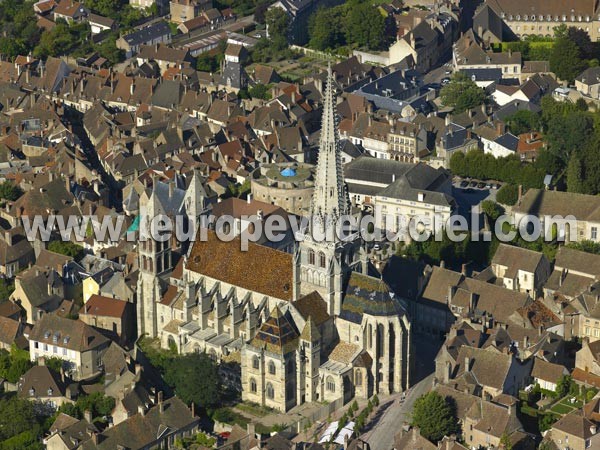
(155, 259)
(322, 264)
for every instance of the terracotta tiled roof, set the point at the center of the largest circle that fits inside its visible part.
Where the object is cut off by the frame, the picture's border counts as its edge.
(259, 269)
(98, 305)
(312, 305)
(9, 329)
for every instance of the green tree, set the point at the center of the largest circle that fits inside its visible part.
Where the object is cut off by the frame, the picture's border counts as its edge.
(566, 131)
(364, 25)
(6, 288)
(508, 194)
(9, 191)
(581, 104)
(67, 249)
(505, 442)
(195, 379)
(523, 122)
(462, 93)
(277, 22)
(16, 416)
(564, 385)
(259, 91)
(492, 209)
(565, 59)
(98, 403)
(326, 29)
(207, 63)
(435, 416)
(55, 364)
(574, 175)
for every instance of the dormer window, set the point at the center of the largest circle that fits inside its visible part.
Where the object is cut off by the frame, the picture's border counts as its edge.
(31, 392)
(50, 392)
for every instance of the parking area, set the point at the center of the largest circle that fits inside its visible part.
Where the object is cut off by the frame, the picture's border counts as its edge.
(469, 192)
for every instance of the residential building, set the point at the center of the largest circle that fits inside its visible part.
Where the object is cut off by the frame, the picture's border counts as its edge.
(520, 269)
(184, 10)
(156, 427)
(469, 53)
(574, 431)
(41, 384)
(76, 343)
(546, 374)
(157, 33)
(581, 208)
(110, 314)
(588, 82)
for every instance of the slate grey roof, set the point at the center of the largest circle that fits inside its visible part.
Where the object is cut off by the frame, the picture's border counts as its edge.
(402, 189)
(171, 203)
(483, 74)
(589, 76)
(147, 34)
(516, 105)
(168, 94)
(508, 141)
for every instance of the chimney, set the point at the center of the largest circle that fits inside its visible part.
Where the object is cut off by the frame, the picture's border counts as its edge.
(520, 195)
(8, 238)
(142, 410)
(62, 374)
(161, 405)
(499, 128)
(95, 438)
(450, 294)
(447, 372)
(467, 364)
(138, 369)
(87, 415)
(471, 301)
(249, 198)
(593, 429)
(463, 269)
(442, 264)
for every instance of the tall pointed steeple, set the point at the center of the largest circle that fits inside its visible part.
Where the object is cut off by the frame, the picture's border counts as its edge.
(329, 199)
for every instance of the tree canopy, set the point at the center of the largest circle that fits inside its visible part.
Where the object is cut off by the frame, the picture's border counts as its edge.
(435, 416)
(565, 58)
(462, 93)
(356, 23)
(204, 390)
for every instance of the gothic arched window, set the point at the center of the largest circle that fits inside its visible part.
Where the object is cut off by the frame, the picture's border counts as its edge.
(271, 367)
(255, 362)
(252, 385)
(270, 391)
(311, 257)
(330, 384)
(322, 261)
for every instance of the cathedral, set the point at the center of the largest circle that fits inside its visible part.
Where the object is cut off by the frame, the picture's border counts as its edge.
(316, 325)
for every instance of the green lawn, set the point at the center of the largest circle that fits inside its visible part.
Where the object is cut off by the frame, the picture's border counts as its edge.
(561, 408)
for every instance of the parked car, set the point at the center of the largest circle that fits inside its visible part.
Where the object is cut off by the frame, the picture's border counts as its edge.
(481, 185)
(473, 184)
(464, 183)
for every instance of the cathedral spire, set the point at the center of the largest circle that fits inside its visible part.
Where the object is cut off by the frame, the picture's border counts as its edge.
(329, 199)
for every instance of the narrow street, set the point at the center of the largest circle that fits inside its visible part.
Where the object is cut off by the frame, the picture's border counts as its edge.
(381, 437)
